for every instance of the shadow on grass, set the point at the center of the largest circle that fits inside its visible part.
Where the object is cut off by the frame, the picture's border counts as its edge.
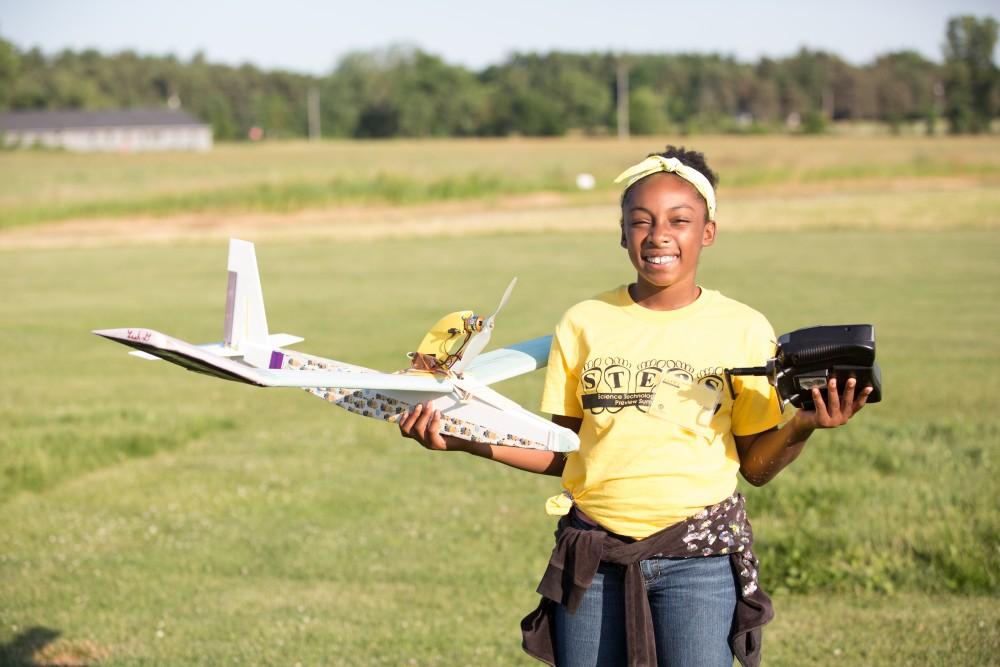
(41, 647)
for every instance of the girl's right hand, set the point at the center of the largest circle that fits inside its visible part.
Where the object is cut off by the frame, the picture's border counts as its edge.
(423, 424)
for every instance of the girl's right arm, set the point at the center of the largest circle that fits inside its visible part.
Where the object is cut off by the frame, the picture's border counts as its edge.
(424, 424)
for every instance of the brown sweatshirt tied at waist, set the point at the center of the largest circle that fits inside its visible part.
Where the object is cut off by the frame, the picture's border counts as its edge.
(720, 529)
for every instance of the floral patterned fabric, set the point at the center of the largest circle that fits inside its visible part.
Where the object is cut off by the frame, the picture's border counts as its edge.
(721, 529)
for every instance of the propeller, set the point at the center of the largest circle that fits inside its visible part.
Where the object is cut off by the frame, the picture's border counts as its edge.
(481, 339)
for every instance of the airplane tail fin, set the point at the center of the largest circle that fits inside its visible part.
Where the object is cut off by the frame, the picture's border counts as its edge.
(246, 321)
(245, 333)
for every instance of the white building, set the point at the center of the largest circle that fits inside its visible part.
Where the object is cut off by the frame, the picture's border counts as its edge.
(123, 130)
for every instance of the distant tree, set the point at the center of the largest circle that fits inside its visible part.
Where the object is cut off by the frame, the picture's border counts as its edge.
(9, 63)
(902, 87)
(970, 77)
(814, 74)
(586, 99)
(762, 95)
(814, 122)
(647, 112)
(548, 94)
(535, 113)
(435, 98)
(403, 91)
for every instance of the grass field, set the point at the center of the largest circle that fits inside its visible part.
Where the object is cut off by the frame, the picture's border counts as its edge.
(151, 516)
(287, 177)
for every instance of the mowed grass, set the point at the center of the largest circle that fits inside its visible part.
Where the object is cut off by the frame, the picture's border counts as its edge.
(39, 186)
(153, 516)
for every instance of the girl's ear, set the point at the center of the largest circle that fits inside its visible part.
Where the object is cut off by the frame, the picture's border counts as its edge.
(708, 234)
(621, 226)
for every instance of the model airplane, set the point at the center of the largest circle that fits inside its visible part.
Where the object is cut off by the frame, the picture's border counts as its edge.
(447, 368)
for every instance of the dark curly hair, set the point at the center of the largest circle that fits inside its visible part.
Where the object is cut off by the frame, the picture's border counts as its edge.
(692, 159)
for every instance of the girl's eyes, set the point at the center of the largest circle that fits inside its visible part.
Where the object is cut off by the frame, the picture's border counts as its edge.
(675, 221)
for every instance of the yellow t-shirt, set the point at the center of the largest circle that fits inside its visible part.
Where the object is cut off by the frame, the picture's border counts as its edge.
(656, 442)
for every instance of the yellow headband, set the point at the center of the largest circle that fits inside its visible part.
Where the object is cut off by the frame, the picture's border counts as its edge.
(657, 163)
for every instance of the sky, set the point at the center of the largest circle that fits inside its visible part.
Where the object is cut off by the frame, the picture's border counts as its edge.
(310, 36)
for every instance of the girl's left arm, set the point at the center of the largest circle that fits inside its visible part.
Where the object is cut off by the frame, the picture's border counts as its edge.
(764, 455)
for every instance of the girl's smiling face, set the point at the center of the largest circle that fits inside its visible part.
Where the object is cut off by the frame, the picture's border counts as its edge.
(664, 228)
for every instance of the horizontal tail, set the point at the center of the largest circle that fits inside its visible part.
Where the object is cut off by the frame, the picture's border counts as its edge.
(274, 341)
(192, 357)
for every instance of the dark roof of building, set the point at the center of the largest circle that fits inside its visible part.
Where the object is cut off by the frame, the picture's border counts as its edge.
(61, 120)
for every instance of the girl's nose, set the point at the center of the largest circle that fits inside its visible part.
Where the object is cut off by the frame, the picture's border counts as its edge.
(660, 236)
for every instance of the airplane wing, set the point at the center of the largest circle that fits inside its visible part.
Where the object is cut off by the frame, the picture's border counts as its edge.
(200, 360)
(508, 362)
(352, 380)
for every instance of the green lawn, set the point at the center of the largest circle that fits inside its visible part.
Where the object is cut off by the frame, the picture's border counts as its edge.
(153, 516)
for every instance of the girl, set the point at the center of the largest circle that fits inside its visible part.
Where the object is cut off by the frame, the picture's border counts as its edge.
(652, 563)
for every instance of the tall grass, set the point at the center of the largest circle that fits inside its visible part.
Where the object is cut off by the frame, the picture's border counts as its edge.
(289, 196)
(37, 187)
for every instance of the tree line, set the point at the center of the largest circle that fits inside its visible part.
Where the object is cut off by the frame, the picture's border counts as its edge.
(403, 91)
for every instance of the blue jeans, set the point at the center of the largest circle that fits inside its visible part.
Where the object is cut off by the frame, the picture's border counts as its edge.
(692, 602)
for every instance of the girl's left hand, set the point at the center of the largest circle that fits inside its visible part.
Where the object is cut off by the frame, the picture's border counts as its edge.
(836, 410)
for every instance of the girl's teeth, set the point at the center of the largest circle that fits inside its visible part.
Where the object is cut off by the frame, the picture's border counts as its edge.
(660, 260)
